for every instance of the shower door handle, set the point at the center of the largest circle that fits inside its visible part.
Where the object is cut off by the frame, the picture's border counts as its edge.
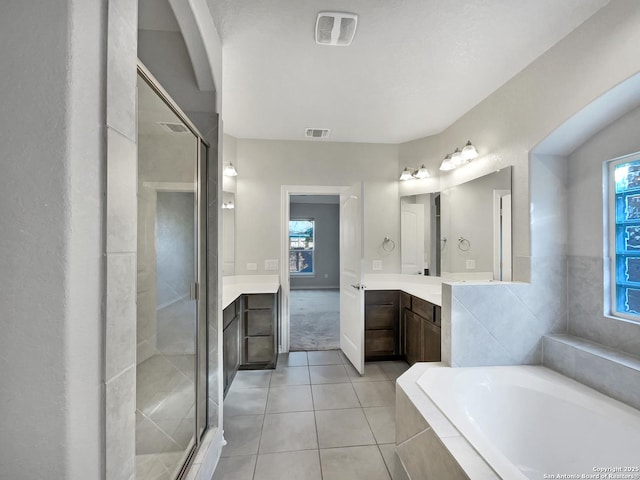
(193, 291)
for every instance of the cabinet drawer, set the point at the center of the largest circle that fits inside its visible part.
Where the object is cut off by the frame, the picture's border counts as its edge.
(380, 317)
(258, 322)
(381, 297)
(259, 300)
(422, 308)
(259, 349)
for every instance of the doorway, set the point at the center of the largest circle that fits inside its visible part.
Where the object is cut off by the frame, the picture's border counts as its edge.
(314, 272)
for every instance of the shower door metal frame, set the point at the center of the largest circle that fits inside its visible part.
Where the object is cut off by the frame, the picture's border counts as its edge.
(200, 292)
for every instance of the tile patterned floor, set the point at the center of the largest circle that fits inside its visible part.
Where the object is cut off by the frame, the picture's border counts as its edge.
(312, 418)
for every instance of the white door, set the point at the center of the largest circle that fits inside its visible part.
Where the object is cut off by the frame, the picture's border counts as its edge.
(412, 238)
(351, 288)
(505, 235)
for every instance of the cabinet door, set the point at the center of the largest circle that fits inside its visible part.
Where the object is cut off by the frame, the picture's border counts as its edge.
(431, 346)
(231, 352)
(413, 337)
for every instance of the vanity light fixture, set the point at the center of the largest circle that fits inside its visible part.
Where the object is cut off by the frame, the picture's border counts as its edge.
(228, 206)
(230, 170)
(419, 174)
(406, 174)
(447, 164)
(469, 152)
(456, 158)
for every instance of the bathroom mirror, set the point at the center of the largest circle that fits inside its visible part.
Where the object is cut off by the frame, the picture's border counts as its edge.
(228, 233)
(462, 232)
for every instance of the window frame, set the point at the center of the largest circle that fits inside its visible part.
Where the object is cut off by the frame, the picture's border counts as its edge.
(312, 273)
(611, 248)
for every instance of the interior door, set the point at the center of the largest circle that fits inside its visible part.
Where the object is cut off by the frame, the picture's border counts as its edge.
(412, 238)
(351, 287)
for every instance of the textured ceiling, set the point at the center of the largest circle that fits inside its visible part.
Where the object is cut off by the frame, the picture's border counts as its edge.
(414, 67)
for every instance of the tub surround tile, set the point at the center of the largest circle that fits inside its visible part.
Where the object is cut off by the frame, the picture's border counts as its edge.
(602, 368)
(424, 456)
(409, 421)
(468, 459)
(353, 463)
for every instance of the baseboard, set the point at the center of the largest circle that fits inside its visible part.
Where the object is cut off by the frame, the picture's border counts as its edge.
(305, 287)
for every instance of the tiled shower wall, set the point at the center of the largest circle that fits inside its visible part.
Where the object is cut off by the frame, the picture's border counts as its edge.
(503, 324)
(121, 239)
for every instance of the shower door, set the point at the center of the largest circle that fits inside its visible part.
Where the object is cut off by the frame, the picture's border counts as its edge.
(171, 334)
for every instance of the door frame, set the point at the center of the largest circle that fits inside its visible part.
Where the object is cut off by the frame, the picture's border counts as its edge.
(497, 236)
(286, 191)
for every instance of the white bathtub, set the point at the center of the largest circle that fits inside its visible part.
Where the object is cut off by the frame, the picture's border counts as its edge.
(528, 421)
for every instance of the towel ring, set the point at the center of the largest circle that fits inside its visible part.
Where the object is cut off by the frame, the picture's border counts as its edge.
(463, 244)
(385, 244)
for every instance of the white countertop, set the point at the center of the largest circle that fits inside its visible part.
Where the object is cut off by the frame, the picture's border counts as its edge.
(424, 287)
(235, 285)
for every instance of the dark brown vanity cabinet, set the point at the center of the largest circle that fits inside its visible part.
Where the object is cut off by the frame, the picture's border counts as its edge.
(399, 325)
(250, 334)
(260, 331)
(231, 343)
(420, 331)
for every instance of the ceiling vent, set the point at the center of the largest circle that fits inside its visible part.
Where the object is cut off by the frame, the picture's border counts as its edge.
(336, 29)
(174, 127)
(316, 132)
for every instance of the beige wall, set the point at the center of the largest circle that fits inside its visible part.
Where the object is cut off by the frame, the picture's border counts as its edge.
(264, 166)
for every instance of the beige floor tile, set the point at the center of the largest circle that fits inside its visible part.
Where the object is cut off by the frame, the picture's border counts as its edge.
(382, 421)
(289, 466)
(393, 369)
(290, 398)
(353, 463)
(334, 396)
(343, 428)
(245, 401)
(391, 459)
(328, 374)
(292, 359)
(290, 376)
(372, 373)
(376, 394)
(251, 379)
(235, 468)
(287, 432)
(327, 357)
(242, 434)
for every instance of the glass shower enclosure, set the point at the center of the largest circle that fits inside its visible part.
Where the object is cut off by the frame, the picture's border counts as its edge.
(171, 384)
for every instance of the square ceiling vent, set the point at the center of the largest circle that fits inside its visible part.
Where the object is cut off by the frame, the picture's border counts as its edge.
(316, 132)
(335, 28)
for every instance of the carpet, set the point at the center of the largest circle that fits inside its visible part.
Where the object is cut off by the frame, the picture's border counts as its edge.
(314, 319)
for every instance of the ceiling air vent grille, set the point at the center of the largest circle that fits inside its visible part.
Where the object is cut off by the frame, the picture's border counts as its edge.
(335, 28)
(174, 127)
(316, 132)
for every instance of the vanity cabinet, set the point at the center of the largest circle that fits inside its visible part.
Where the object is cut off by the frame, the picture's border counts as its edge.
(260, 330)
(231, 343)
(382, 330)
(420, 331)
(250, 334)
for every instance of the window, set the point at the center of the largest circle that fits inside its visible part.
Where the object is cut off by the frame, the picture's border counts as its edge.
(625, 236)
(301, 246)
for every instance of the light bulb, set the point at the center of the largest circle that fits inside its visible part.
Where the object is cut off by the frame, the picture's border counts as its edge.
(422, 173)
(406, 174)
(230, 170)
(456, 158)
(469, 152)
(447, 164)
